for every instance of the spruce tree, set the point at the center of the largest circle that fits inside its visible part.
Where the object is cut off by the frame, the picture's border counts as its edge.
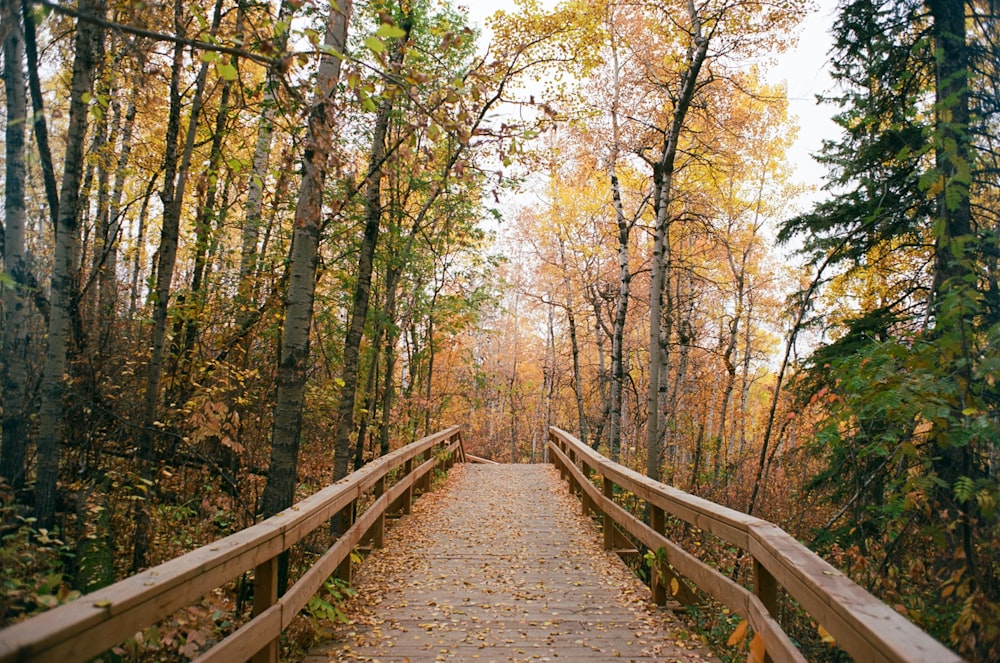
(907, 388)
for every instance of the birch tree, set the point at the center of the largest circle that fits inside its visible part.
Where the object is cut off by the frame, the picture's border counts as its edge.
(294, 353)
(88, 45)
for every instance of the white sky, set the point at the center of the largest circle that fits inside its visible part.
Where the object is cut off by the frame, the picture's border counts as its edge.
(803, 68)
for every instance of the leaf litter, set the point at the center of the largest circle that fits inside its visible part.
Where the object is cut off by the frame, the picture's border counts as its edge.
(499, 564)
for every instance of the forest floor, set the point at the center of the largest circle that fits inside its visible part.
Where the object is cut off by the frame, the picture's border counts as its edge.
(499, 565)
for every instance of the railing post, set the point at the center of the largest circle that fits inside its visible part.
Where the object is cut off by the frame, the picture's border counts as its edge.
(766, 589)
(424, 484)
(345, 518)
(265, 594)
(378, 528)
(585, 505)
(656, 586)
(408, 493)
(608, 488)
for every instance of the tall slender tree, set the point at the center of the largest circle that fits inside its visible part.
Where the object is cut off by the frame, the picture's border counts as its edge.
(88, 45)
(13, 355)
(294, 353)
(905, 387)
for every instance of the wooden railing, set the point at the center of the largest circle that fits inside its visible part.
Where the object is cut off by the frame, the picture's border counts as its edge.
(92, 624)
(863, 626)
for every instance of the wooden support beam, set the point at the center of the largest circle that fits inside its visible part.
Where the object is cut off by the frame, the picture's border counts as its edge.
(658, 574)
(766, 588)
(345, 518)
(265, 594)
(608, 488)
(408, 494)
(378, 529)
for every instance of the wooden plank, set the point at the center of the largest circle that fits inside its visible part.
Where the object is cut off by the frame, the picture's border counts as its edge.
(84, 628)
(265, 595)
(728, 524)
(562, 599)
(317, 514)
(247, 640)
(862, 625)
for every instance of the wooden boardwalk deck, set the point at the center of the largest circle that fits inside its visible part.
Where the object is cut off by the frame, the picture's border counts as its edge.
(499, 565)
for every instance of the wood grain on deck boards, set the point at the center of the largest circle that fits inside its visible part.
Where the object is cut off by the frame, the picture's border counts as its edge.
(499, 565)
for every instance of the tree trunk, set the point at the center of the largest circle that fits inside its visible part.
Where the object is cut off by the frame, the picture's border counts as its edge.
(140, 241)
(279, 491)
(574, 346)
(38, 108)
(954, 279)
(389, 388)
(250, 231)
(618, 326)
(739, 273)
(103, 134)
(363, 284)
(205, 222)
(665, 166)
(52, 413)
(13, 358)
(108, 280)
(173, 200)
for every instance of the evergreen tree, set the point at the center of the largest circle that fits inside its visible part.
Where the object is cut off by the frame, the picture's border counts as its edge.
(907, 389)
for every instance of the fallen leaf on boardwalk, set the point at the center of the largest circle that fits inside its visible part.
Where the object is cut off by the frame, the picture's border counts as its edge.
(498, 563)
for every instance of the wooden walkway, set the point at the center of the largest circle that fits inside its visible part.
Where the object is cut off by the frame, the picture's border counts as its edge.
(499, 565)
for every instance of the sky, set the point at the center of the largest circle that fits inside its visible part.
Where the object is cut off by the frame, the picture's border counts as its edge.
(804, 69)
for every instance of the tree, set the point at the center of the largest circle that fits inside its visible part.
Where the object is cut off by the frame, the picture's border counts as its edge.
(15, 381)
(904, 386)
(176, 169)
(293, 359)
(51, 416)
(363, 283)
(723, 27)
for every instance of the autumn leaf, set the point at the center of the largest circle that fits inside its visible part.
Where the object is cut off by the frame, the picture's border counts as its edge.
(738, 634)
(825, 636)
(757, 649)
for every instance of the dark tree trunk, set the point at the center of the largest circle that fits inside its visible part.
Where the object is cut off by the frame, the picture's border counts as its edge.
(173, 200)
(294, 354)
(362, 287)
(618, 327)
(38, 108)
(664, 190)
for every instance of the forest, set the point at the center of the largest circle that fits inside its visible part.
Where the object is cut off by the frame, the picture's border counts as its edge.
(249, 246)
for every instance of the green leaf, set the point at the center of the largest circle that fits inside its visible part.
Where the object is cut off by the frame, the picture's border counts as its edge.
(226, 71)
(375, 44)
(387, 31)
(210, 56)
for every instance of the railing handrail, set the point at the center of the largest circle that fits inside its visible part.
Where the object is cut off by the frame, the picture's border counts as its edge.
(863, 626)
(106, 617)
